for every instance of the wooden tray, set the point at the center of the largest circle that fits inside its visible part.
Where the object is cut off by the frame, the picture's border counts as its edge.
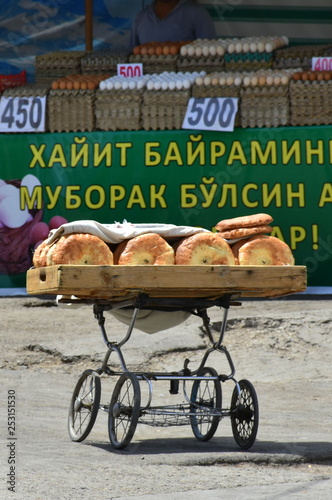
(124, 282)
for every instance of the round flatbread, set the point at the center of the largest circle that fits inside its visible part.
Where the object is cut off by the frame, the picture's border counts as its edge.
(144, 250)
(39, 255)
(262, 250)
(245, 221)
(79, 249)
(204, 249)
(242, 232)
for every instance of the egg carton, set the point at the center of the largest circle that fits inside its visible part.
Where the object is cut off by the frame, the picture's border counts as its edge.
(28, 90)
(103, 61)
(71, 110)
(300, 56)
(164, 110)
(15, 249)
(53, 65)
(266, 106)
(310, 103)
(249, 61)
(118, 109)
(155, 63)
(207, 64)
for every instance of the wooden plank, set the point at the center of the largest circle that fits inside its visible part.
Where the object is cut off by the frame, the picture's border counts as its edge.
(166, 281)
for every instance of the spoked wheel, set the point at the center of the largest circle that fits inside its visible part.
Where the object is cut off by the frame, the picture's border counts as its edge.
(124, 410)
(84, 405)
(244, 414)
(206, 404)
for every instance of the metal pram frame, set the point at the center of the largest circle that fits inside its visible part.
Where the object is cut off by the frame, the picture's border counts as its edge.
(202, 406)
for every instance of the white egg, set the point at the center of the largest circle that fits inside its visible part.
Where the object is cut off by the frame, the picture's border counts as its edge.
(179, 84)
(132, 85)
(2, 183)
(164, 85)
(191, 51)
(150, 85)
(171, 85)
(186, 84)
(10, 213)
(8, 190)
(102, 85)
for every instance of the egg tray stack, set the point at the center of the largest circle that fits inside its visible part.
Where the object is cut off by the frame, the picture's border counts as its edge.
(164, 109)
(71, 110)
(248, 61)
(155, 63)
(119, 109)
(208, 64)
(103, 61)
(53, 65)
(15, 250)
(201, 91)
(300, 56)
(265, 106)
(310, 102)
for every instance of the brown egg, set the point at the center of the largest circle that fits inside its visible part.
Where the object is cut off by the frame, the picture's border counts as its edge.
(166, 50)
(304, 76)
(84, 85)
(320, 76)
(62, 84)
(137, 50)
(144, 51)
(159, 50)
(327, 75)
(297, 76)
(173, 50)
(261, 80)
(312, 76)
(151, 51)
(69, 85)
(77, 85)
(91, 85)
(55, 85)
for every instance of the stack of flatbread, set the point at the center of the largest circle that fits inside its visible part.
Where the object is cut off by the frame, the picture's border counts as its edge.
(250, 243)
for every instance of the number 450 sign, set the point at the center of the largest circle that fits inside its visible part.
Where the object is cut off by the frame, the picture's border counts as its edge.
(22, 114)
(211, 113)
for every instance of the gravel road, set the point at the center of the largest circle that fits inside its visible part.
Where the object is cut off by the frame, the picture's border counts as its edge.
(283, 346)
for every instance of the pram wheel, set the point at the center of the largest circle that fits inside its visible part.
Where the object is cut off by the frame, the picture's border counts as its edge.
(244, 414)
(84, 405)
(206, 400)
(124, 410)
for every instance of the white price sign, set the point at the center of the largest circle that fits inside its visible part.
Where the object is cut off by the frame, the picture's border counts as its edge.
(22, 114)
(211, 113)
(321, 63)
(130, 70)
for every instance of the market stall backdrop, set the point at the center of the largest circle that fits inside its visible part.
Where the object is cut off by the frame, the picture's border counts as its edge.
(29, 28)
(169, 177)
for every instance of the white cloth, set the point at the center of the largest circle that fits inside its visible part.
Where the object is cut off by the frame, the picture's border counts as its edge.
(152, 321)
(117, 232)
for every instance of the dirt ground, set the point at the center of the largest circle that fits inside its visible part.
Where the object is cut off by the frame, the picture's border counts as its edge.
(283, 346)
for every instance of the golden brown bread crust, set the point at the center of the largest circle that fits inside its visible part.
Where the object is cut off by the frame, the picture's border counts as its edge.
(242, 232)
(39, 255)
(204, 249)
(79, 249)
(245, 221)
(262, 250)
(144, 250)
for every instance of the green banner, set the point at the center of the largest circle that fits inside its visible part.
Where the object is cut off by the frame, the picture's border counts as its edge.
(180, 177)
